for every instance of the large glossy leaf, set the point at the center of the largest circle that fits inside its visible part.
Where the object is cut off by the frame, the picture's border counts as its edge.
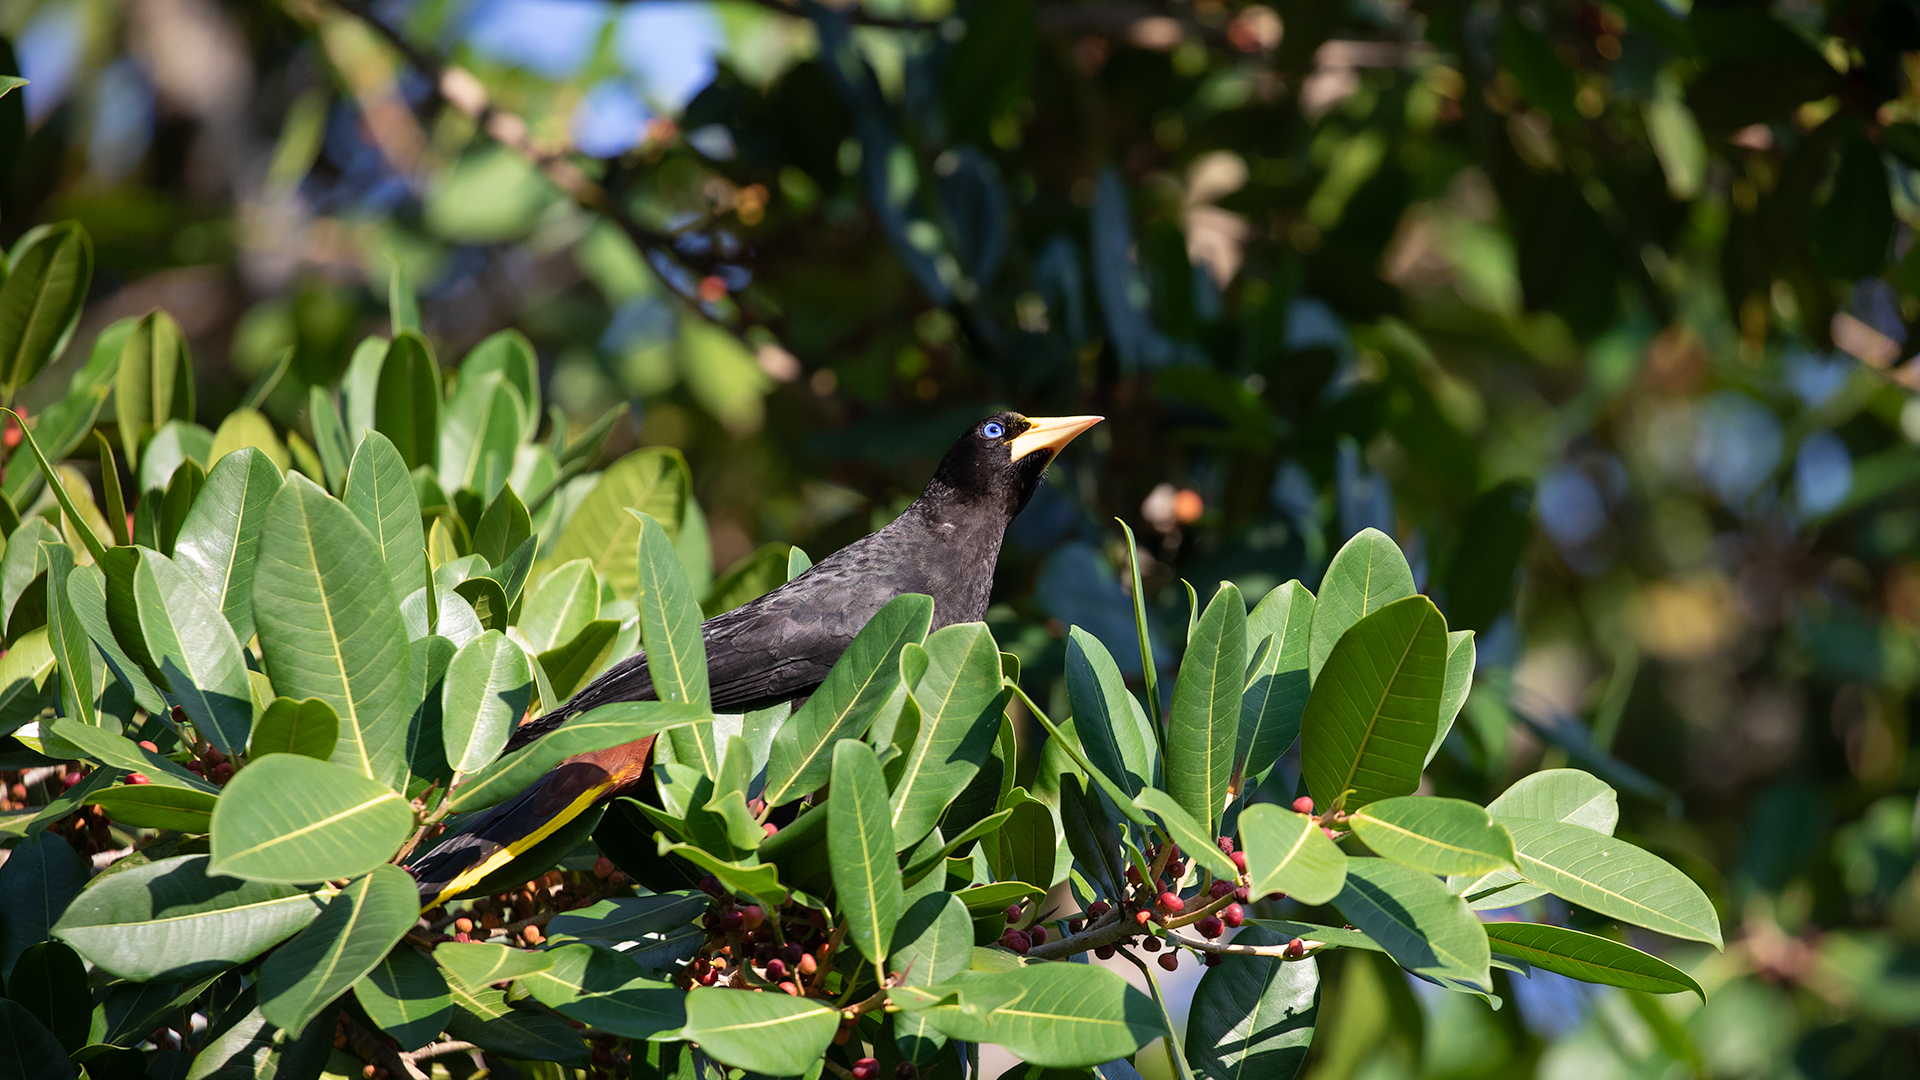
(157, 806)
(631, 919)
(654, 481)
(1252, 1017)
(1205, 720)
(154, 384)
(862, 679)
(358, 927)
(933, 940)
(40, 301)
(407, 401)
(960, 703)
(330, 626)
(193, 648)
(123, 753)
(1025, 846)
(219, 542)
(379, 491)
(1374, 706)
(1426, 929)
(608, 725)
(571, 665)
(290, 818)
(51, 981)
(172, 919)
(1367, 574)
(861, 850)
(478, 963)
(1440, 836)
(670, 627)
(1589, 958)
(602, 987)
(483, 1017)
(244, 1045)
(765, 1033)
(1278, 628)
(482, 425)
(286, 726)
(406, 995)
(1567, 795)
(1607, 875)
(1103, 715)
(1461, 654)
(486, 691)
(1062, 1016)
(1195, 839)
(561, 605)
(1287, 853)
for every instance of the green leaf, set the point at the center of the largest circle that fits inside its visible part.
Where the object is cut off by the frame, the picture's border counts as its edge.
(960, 703)
(1568, 795)
(157, 806)
(670, 626)
(479, 433)
(478, 963)
(219, 542)
(28, 1051)
(483, 1017)
(68, 643)
(51, 982)
(1440, 836)
(504, 526)
(486, 691)
(39, 879)
(40, 300)
(1589, 958)
(625, 920)
(308, 728)
(329, 438)
(762, 881)
(1374, 706)
(1206, 709)
(601, 531)
(765, 1033)
(572, 665)
(1091, 836)
(1426, 929)
(24, 690)
(379, 491)
(1277, 683)
(407, 401)
(488, 600)
(1287, 853)
(407, 997)
(1607, 875)
(847, 701)
(604, 988)
(510, 353)
(1367, 574)
(860, 846)
(1459, 680)
(330, 627)
(194, 650)
(123, 753)
(359, 926)
(1060, 1016)
(154, 384)
(1103, 715)
(608, 725)
(1253, 1016)
(10, 83)
(561, 605)
(67, 422)
(175, 920)
(1023, 848)
(748, 580)
(933, 940)
(1194, 839)
(290, 818)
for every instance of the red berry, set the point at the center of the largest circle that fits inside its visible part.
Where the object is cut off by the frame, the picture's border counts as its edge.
(708, 978)
(1104, 952)
(1220, 888)
(710, 885)
(147, 744)
(1328, 831)
(752, 916)
(1098, 908)
(1296, 949)
(1038, 934)
(1244, 894)
(602, 866)
(866, 1069)
(770, 828)
(1239, 861)
(731, 921)
(1013, 913)
(1074, 926)
(1171, 961)
(776, 969)
(1211, 927)
(1226, 844)
(138, 778)
(1211, 959)
(905, 1071)
(1233, 915)
(1142, 917)
(1016, 941)
(223, 772)
(1150, 943)
(1303, 804)
(1171, 903)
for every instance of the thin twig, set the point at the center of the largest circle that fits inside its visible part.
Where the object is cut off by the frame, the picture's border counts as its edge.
(1280, 951)
(1113, 928)
(434, 1050)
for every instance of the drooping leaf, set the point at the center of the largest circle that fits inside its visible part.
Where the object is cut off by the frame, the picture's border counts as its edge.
(1374, 707)
(1287, 853)
(1253, 1016)
(960, 703)
(486, 691)
(174, 920)
(1368, 573)
(1426, 929)
(866, 674)
(1440, 836)
(1205, 721)
(289, 818)
(330, 626)
(379, 491)
(123, 753)
(194, 650)
(360, 924)
(1590, 958)
(861, 847)
(1460, 659)
(1277, 683)
(1614, 878)
(407, 996)
(219, 542)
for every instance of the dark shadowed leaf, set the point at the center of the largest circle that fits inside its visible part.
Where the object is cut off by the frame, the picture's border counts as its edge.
(51, 982)
(40, 300)
(407, 997)
(597, 985)
(39, 879)
(1425, 928)
(1277, 684)
(356, 930)
(1252, 1016)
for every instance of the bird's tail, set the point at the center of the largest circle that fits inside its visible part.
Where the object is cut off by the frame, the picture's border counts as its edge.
(495, 837)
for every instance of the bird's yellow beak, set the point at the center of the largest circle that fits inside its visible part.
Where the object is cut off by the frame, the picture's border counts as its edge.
(1050, 433)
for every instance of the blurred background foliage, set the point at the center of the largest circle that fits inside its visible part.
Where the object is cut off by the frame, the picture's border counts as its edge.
(1601, 309)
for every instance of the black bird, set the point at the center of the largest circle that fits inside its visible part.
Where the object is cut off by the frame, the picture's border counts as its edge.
(781, 646)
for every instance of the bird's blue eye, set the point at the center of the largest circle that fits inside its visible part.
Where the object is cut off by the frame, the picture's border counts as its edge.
(992, 429)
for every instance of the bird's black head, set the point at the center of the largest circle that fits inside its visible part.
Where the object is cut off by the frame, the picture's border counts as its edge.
(999, 461)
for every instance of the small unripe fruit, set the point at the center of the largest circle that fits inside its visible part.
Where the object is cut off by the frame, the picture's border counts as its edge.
(790, 989)
(1211, 927)
(1074, 926)
(463, 925)
(1038, 934)
(1098, 908)
(1013, 913)
(147, 744)
(1296, 949)
(866, 1069)
(1303, 804)
(808, 965)
(905, 1071)
(752, 916)
(1211, 959)
(770, 828)
(1171, 961)
(1239, 861)
(1016, 941)
(1233, 915)
(1150, 943)
(776, 969)
(1142, 917)
(1220, 889)
(1104, 952)
(1171, 903)
(732, 921)
(137, 778)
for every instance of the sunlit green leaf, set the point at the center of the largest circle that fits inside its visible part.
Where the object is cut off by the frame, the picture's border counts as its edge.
(1440, 836)
(960, 704)
(765, 1033)
(1610, 876)
(1287, 853)
(219, 542)
(407, 997)
(40, 300)
(486, 692)
(289, 818)
(1368, 573)
(1589, 958)
(1374, 706)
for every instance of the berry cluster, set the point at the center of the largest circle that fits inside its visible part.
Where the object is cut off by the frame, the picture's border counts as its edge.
(518, 916)
(747, 949)
(88, 828)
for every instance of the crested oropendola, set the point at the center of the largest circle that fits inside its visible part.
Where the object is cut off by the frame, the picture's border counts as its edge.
(780, 647)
